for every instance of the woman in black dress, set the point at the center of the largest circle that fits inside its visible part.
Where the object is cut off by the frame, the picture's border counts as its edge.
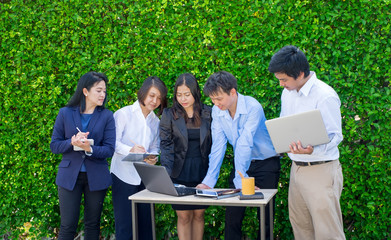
(185, 142)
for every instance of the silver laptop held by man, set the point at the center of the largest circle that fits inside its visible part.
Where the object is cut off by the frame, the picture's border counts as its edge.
(307, 127)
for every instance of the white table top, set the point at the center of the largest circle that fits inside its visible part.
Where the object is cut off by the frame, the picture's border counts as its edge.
(146, 196)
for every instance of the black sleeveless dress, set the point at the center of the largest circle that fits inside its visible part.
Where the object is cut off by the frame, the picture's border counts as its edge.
(193, 170)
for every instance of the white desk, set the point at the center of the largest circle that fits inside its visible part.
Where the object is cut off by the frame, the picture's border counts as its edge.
(146, 196)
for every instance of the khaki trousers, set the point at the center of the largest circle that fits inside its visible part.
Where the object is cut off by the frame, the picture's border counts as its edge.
(314, 209)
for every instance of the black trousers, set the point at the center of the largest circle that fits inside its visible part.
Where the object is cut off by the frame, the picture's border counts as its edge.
(70, 209)
(266, 174)
(123, 211)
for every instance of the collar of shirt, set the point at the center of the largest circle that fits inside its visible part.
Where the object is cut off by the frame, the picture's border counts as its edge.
(241, 108)
(305, 90)
(137, 108)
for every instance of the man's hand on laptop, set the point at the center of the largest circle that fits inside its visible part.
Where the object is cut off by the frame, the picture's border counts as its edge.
(297, 148)
(203, 186)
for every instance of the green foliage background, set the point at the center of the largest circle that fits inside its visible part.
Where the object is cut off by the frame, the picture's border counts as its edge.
(45, 46)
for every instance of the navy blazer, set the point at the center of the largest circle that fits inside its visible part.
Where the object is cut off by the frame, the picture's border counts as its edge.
(102, 130)
(174, 140)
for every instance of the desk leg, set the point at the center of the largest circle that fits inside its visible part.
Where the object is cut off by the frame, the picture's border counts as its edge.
(271, 218)
(153, 221)
(134, 221)
(262, 223)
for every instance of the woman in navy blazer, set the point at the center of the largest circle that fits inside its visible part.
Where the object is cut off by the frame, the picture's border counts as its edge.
(83, 169)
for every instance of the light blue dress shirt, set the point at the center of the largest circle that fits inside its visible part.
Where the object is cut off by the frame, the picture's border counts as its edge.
(246, 132)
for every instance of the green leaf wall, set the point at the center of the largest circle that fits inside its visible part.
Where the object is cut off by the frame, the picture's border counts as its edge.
(45, 46)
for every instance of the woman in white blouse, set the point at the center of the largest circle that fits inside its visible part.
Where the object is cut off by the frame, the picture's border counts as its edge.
(137, 131)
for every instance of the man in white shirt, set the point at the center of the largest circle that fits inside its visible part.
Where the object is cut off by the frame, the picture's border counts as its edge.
(316, 175)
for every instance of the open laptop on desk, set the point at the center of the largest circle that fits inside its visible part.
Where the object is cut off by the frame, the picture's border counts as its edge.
(156, 179)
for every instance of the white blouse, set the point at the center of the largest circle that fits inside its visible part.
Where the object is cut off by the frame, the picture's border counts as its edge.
(132, 126)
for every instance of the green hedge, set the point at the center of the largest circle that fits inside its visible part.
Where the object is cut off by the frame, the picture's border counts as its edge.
(47, 45)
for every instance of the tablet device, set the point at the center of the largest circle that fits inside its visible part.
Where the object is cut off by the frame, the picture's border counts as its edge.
(307, 127)
(139, 157)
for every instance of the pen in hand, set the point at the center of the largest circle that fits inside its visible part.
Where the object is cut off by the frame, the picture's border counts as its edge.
(83, 137)
(133, 142)
(80, 140)
(137, 148)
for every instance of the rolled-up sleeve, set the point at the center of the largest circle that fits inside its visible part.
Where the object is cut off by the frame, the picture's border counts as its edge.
(216, 156)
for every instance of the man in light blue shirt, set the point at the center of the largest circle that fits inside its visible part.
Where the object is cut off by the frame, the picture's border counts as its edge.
(240, 120)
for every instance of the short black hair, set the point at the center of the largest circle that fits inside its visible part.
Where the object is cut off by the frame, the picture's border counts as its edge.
(87, 81)
(291, 61)
(218, 81)
(157, 83)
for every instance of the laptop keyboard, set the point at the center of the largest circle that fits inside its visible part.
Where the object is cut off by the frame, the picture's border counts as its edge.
(182, 191)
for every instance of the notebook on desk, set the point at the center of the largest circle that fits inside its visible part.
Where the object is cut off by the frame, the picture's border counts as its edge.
(307, 127)
(156, 179)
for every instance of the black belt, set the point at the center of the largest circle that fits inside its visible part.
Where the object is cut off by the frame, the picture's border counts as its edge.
(270, 158)
(311, 163)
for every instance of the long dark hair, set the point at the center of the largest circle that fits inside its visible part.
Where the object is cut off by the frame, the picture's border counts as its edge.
(87, 81)
(157, 83)
(189, 81)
